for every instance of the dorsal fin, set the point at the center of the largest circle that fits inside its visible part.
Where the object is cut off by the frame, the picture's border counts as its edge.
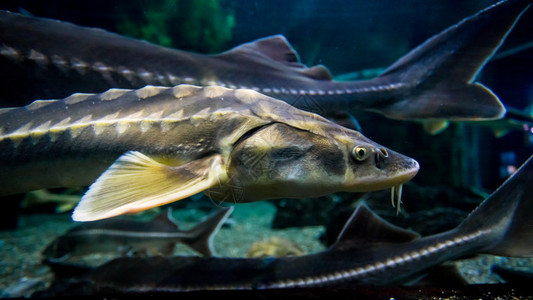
(206, 230)
(278, 49)
(274, 47)
(166, 217)
(365, 229)
(318, 72)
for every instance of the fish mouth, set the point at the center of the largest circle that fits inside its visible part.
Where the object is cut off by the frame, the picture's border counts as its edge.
(394, 182)
(386, 180)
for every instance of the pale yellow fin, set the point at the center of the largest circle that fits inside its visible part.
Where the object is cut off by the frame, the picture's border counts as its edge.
(136, 182)
(435, 126)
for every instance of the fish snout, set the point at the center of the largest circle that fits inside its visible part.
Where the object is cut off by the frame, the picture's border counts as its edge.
(394, 163)
(401, 167)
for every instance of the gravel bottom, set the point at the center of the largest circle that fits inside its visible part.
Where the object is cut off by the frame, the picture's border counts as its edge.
(22, 273)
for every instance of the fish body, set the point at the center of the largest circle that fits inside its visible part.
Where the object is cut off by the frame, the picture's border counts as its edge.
(156, 145)
(157, 236)
(434, 82)
(368, 251)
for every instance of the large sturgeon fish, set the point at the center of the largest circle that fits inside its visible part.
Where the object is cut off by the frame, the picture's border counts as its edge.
(368, 251)
(162, 144)
(434, 82)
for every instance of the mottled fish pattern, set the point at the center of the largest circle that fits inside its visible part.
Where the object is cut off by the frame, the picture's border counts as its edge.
(161, 144)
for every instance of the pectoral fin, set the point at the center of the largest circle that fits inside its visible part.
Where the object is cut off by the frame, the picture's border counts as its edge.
(136, 182)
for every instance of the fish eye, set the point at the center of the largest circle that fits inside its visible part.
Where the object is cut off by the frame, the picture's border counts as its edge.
(360, 153)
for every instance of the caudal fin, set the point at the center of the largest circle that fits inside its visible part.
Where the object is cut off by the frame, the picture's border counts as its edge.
(506, 215)
(441, 71)
(205, 231)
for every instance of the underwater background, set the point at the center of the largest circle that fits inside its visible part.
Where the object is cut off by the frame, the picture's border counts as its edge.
(354, 40)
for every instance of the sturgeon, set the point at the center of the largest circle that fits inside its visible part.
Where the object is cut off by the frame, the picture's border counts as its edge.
(435, 82)
(368, 251)
(156, 145)
(157, 236)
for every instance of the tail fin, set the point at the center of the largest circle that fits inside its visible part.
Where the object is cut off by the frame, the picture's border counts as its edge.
(440, 72)
(205, 231)
(506, 213)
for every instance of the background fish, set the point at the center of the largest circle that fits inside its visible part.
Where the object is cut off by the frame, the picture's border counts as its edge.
(369, 251)
(158, 236)
(434, 82)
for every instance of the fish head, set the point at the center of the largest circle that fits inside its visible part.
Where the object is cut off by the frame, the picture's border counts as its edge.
(371, 166)
(282, 161)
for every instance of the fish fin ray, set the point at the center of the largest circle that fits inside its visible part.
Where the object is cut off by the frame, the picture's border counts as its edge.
(448, 63)
(365, 229)
(136, 182)
(318, 72)
(466, 102)
(205, 231)
(165, 217)
(275, 48)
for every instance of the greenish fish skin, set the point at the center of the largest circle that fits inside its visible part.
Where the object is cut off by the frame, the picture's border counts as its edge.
(156, 145)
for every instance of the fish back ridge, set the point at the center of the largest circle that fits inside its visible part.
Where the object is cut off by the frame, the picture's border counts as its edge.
(115, 106)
